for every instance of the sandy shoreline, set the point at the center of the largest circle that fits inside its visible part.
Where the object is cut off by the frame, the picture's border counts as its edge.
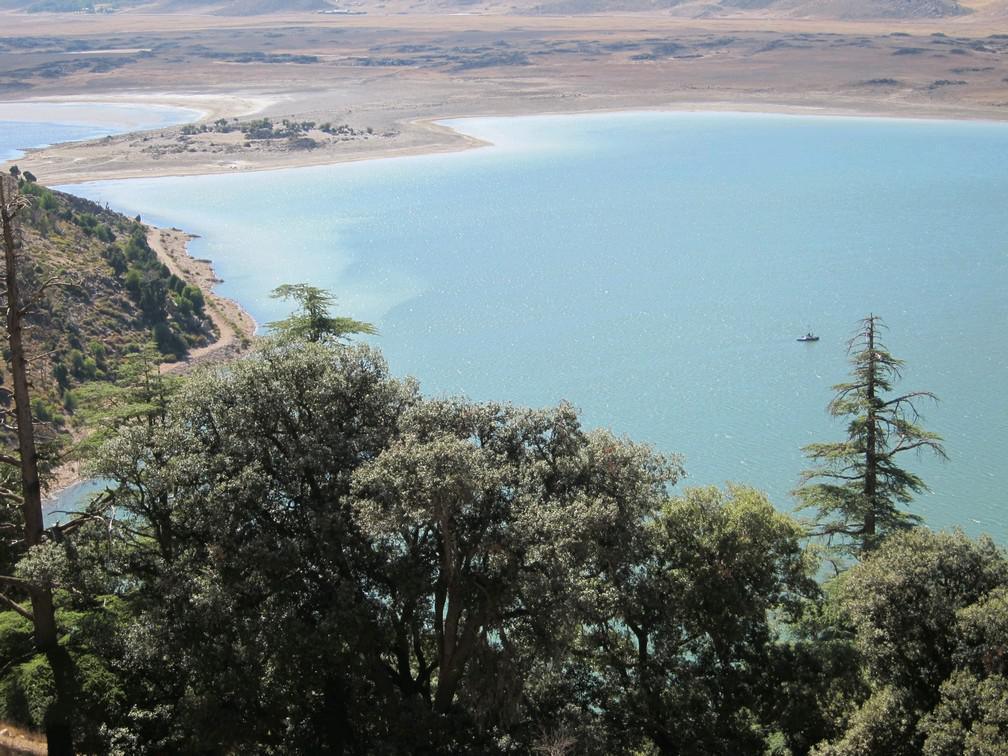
(92, 110)
(104, 159)
(93, 160)
(385, 80)
(236, 327)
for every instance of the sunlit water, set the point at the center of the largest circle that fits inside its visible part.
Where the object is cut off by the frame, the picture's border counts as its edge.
(70, 500)
(655, 270)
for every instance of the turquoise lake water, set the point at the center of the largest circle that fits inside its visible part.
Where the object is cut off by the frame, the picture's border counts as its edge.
(655, 269)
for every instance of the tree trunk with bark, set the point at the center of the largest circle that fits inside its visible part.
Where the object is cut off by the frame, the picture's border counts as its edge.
(59, 734)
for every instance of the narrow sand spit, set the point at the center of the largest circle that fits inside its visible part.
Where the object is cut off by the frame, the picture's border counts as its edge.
(113, 109)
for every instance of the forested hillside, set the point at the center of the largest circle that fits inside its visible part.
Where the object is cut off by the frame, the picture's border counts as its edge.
(106, 296)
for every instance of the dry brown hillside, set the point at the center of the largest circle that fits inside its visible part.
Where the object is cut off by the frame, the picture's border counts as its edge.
(834, 9)
(824, 9)
(242, 7)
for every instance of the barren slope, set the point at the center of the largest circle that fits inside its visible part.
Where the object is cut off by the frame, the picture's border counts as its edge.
(838, 9)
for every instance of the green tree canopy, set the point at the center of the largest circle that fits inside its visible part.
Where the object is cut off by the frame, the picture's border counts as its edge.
(490, 520)
(928, 618)
(316, 558)
(424, 551)
(685, 647)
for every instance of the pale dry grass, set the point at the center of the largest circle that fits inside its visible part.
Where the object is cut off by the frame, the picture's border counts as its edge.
(16, 741)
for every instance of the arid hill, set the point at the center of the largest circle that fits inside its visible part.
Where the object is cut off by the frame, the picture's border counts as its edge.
(839, 9)
(214, 7)
(825, 9)
(243, 7)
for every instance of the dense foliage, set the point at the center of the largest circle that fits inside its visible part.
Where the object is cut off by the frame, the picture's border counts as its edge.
(301, 553)
(928, 619)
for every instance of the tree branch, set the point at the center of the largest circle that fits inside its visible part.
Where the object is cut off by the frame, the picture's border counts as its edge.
(40, 292)
(11, 580)
(12, 604)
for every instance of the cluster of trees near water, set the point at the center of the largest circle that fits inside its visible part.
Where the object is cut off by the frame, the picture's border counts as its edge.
(301, 553)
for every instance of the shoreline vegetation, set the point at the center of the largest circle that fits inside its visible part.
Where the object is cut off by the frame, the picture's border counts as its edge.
(168, 152)
(235, 325)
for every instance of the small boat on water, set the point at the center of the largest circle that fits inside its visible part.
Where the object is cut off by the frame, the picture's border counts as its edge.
(809, 337)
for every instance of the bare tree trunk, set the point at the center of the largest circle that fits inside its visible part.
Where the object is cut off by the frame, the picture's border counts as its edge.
(57, 725)
(871, 439)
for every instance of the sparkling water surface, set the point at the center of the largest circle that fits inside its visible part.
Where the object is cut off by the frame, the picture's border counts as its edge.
(655, 269)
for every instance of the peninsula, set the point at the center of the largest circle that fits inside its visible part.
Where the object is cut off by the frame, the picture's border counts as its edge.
(373, 83)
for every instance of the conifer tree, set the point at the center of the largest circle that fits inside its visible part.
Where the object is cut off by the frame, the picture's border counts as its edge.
(313, 321)
(859, 484)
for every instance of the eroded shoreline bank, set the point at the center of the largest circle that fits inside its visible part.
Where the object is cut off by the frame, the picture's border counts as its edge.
(235, 325)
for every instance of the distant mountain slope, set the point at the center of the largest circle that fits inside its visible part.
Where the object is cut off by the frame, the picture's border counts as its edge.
(841, 9)
(896, 9)
(838, 9)
(244, 7)
(215, 7)
(987, 8)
